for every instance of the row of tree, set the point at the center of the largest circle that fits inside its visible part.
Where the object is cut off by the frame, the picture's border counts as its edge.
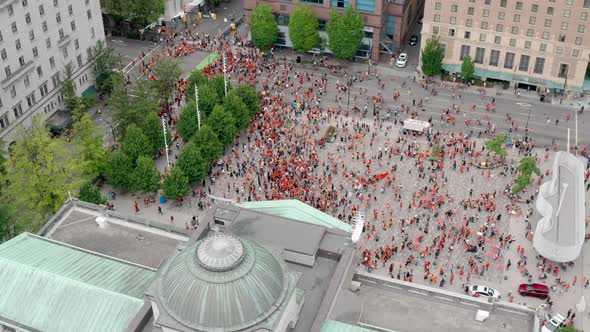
(345, 32)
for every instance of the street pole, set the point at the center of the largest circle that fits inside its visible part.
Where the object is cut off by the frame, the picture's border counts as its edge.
(349, 87)
(576, 141)
(568, 140)
(526, 126)
(165, 142)
(224, 77)
(197, 105)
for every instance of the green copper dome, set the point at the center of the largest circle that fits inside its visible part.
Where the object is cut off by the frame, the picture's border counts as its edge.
(222, 283)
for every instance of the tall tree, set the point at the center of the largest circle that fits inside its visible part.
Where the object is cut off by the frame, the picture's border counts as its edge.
(136, 143)
(187, 121)
(432, 57)
(303, 29)
(345, 33)
(208, 98)
(145, 176)
(218, 85)
(152, 128)
(196, 77)
(527, 167)
(88, 141)
(223, 124)
(119, 170)
(250, 97)
(192, 164)
(238, 109)
(8, 223)
(40, 173)
(105, 61)
(90, 193)
(167, 71)
(176, 184)
(263, 27)
(132, 109)
(497, 146)
(146, 10)
(67, 89)
(208, 142)
(467, 68)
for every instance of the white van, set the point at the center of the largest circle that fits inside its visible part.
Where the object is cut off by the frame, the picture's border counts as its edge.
(553, 324)
(417, 126)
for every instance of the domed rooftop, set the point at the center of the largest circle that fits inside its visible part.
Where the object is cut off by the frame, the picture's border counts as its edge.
(222, 283)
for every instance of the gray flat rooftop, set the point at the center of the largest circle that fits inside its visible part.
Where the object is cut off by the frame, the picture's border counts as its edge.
(278, 232)
(404, 313)
(565, 232)
(131, 244)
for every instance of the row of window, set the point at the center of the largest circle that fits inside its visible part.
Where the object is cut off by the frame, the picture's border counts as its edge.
(509, 60)
(500, 26)
(502, 15)
(25, 3)
(534, 7)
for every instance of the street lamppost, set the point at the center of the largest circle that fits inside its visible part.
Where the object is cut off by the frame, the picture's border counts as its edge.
(526, 126)
(349, 85)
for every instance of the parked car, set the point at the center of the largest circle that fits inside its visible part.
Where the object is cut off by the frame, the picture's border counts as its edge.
(554, 323)
(535, 290)
(402, 60)
(413, 40)
(478, 291)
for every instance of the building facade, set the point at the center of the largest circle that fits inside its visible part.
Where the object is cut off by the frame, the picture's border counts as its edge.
(540, 45)
(388, 23)
(38, 39)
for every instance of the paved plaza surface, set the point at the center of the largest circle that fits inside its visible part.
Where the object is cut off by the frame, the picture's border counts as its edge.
(280, 156)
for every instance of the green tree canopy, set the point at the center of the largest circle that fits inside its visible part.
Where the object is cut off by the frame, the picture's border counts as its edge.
(208, 98)
(303, 28)
(40, 173)
(146, 10)
(497, 146)
(90, 193)
(187, 121)
(250, 97)
(196, 77)
(67, 89)
(527, 167)
(192, 164)
(119, 170)
(176, 184)
(8, 224)
(132, 109)
(105, 61)
(167, 71)
(152, 128)
(238, 109)
(432, 57)
(218, 85)
(345, 32)
(88, 141)
(467, 68)
(208, 142)
(223, 124)
(136, 143)
(145, 176)
(263, 27)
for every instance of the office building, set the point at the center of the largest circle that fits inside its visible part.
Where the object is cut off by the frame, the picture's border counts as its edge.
(38, 39)
(540, 45)
(388, 23)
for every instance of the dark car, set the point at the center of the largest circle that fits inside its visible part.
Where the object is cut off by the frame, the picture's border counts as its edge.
(534, 290)
(413, 40)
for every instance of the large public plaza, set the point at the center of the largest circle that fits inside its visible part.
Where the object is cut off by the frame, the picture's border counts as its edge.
(438, 220)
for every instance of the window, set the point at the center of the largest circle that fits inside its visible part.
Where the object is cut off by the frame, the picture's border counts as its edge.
(452, 32)
(73, 25)
(27, 82)
(470, 11)
(550, 10)
(58, 17)
(4, 123)
(44, 26)
(503, 3)
(484, 25)
(48, 42)
(578, 40)
(13, 91)
(55, 4)
(497, 39)
(575, 52)
(453, 20)
(494, 58)
(3, 54)
(479, 54)
(31, 99)
(43, 89)
(569, 2)
(547, 23)
(41, 10)
(10, 10)
(436, 18)
(535, 8)
(52, 62)
(61, 34)
(543, 47)
(92, 32)
(465, 49)
(499, 27)
(516, 17)
(532, 20)
(512, 42)
(501, 16)
(70, 10)
(17, 44)
(7, 71)
(89, 12)
(530, 32)
(55, 80)
(76, 44)
(487, 2)
(21, 60)
(514, 30)
(586, 3)
(469, 22)
(567, 13)
(39, 71)
(435, 30)
(35, 52)
(527, 44)
(545, 35)
(524, 62)
(31, 35)
(583, 16)
(581, 28)
(486, 13)
(13, 27)
(65, 52)
(79, 59)
(563, 69)
(559, 50)
(25, 3)
(467, 35)
(519, 5)
(564, 25)
(28, 18)
(437, 6)
(454, 8)
(482, 37)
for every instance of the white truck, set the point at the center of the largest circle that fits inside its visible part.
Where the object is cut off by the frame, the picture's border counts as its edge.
(418, 126)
